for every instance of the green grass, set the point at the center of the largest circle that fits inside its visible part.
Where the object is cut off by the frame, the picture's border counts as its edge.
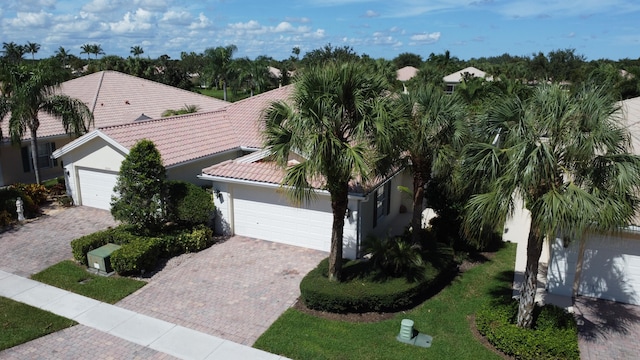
(75, 278)
(219, 94)
(445, 317)
(20, 323)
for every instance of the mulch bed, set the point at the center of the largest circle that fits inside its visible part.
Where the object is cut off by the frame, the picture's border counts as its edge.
(371, 317)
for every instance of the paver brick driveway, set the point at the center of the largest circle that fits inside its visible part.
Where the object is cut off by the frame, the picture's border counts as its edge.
(234, 290)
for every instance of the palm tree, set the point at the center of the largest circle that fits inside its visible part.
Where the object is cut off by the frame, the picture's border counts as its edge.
(63, 55)
(137, 50)
(435, 132)
(13, 52)
(337, 118)
(254, 74)
(86, 49)
(32, 90)
(32, 48)
(96, 49)
(566, 157)
(219, 64)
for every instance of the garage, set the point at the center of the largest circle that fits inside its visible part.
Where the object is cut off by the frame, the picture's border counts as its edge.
(610, 267)
(264, 213)
(96, 187)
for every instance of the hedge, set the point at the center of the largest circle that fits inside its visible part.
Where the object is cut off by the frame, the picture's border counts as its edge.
(185, 241)
(82, 245)
(136, 256)
(369, 292)
(554, 334)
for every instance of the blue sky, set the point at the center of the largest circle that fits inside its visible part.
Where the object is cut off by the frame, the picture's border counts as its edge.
(382, 29)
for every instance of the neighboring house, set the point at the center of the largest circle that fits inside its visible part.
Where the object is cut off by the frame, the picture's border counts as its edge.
(405, 74)
(452, 80)
(114, 98)
(248, 195)
(600, 265)
(250, 201)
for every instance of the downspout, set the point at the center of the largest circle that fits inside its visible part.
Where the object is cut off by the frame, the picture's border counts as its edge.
(358, 229)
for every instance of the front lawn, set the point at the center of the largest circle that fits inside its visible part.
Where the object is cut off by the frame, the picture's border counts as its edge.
(445, 317)
(75, 278)
(20, 323)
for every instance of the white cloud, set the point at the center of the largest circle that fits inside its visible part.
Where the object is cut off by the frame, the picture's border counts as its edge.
(202, 22)
(97, 6)
(30, 20)
(177, 17)
(371, 14)
(426, 38)
(133, 22)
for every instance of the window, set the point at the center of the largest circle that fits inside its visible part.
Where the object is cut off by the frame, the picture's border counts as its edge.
(383, 202)
(44, 156)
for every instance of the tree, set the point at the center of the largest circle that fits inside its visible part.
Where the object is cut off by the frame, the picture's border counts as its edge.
(408, 59)
(13, 52)
(32, 48)
(141, 188)
(86, 49)
(565, 155)
(434, 134)
(219, 64)
(96, 49)
(63, 55)
(329, 53)
(253, 75)
(137, 50)
(340, 121)
(31, 90)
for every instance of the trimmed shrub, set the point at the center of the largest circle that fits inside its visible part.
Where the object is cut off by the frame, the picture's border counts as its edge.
(5, 218)
(136, 256)
(184, 241)
(365, 289)
(38, 193)
(8, 197)
(82, 245)
(554, 334)
(188, 204)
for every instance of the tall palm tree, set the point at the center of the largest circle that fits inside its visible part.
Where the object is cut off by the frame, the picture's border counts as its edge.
(137, 50)
(13, 52)
(32, 48)
(220, 64)
(96, 49)
(565, 155)
(63, 55)
(337, 118)
(32, 90)
(252, 74)
(435, 133)
(86, 49)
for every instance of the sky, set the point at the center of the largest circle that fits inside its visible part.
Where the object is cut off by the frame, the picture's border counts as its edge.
(597, 29)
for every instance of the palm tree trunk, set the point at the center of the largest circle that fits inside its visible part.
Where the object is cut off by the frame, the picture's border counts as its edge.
(224, 89)
(530, 281)
(339, 202)
(418, 199)
(34, 155)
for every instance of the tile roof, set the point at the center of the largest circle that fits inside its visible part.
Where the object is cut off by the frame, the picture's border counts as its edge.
(263, 171)
(631, 120)
(193, 136)
(116, 98)
(457, 76)
(406, 73)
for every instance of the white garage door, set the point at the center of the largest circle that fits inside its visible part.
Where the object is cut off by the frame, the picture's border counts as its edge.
(96, 188)
(263, 213)
(611, 268)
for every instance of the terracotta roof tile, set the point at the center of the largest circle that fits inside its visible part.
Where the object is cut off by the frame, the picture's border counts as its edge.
(118, 98)
(265, 171)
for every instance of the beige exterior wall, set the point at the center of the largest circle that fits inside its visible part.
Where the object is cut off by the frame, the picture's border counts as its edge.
(11, 169)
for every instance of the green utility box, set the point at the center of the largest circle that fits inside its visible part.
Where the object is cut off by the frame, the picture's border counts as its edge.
(100, 258)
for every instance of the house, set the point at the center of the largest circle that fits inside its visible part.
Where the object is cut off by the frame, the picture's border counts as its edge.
(452, 80)
(223, 148)
(250, 201)
(603, 265)
(405, 74)
(114, 98)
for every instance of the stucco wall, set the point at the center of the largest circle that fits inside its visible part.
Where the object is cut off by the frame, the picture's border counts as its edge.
(11, 170)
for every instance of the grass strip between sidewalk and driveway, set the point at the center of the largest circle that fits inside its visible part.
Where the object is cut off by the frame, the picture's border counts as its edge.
(445, 316)
(70, 276)
(20, 323)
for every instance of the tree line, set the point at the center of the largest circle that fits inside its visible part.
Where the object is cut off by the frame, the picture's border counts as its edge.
(218, 68)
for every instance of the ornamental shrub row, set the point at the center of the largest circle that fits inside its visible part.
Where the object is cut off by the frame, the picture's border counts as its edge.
(367, 290)
(140, 252)
(554, 334)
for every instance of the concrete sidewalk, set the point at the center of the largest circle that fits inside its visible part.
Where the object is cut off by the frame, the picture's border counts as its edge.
(147, 331)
